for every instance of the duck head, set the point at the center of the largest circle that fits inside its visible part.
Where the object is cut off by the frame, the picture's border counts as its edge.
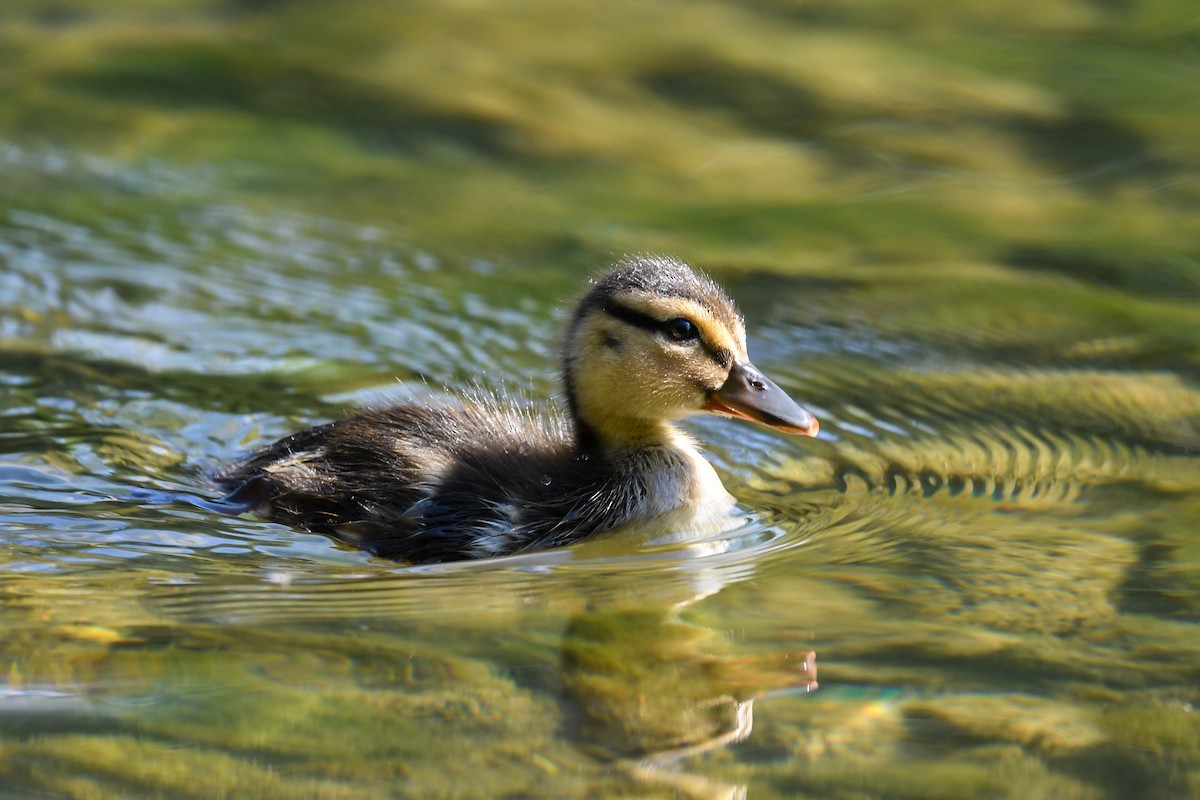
(654, 341)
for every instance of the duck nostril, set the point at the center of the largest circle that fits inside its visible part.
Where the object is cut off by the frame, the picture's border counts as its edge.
(757, 384)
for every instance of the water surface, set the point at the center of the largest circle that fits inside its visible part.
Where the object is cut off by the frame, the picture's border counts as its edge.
(965, 239)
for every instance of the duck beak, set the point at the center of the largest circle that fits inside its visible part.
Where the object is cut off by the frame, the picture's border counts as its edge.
(748, 394)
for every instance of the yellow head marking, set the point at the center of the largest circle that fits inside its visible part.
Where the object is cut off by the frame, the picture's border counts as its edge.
(722, 338)
(631, 366)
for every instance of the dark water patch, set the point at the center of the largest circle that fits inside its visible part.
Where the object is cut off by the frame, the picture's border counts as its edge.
(58, 13)
(257, 80)
(755, 98)
(761, 101)
(871, 224)
(1156, 584)
(1089, 147)
(832, 15)
(1172, 275)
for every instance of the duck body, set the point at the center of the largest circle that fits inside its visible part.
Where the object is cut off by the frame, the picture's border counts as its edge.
(651, 342)
(448, 482)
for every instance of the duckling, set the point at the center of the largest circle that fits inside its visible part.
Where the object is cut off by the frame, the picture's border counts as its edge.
(652, 341)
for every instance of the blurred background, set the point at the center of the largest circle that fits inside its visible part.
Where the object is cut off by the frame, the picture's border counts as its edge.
(1057, 137)
(966, 234)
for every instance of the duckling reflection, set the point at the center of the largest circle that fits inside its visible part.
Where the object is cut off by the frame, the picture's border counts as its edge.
(651, 342)
(649, 692)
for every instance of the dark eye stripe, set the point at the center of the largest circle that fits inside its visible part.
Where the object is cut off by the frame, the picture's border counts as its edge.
(635, 318)
(649, 323)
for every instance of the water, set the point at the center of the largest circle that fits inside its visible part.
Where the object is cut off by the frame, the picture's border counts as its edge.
(964, 239)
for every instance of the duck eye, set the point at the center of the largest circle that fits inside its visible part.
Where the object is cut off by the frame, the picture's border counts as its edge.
(680, 329)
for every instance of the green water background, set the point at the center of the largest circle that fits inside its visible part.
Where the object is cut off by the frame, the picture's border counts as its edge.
(965, 234)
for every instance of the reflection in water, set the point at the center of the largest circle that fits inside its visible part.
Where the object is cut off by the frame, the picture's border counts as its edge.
(649, 691)
(270, 699)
